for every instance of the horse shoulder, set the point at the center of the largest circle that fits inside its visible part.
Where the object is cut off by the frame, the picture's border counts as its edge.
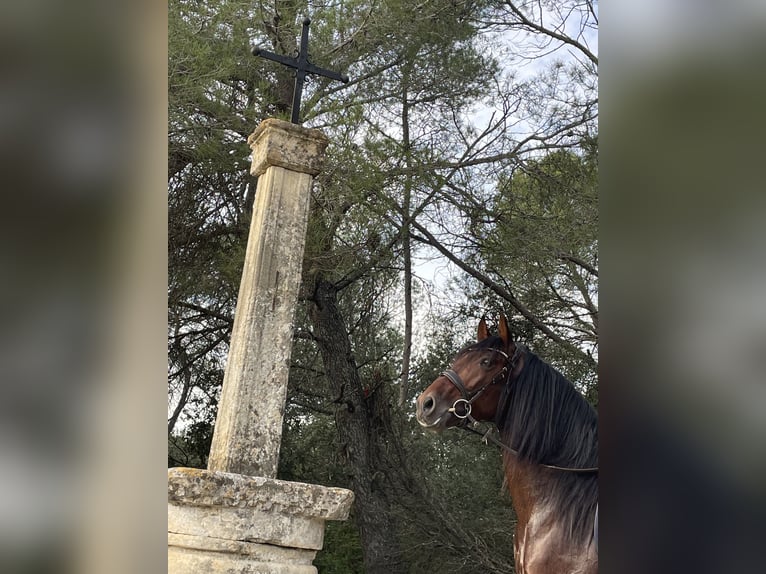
(541, 547)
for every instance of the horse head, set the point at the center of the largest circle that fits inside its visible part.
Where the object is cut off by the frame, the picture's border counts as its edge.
(471, 389)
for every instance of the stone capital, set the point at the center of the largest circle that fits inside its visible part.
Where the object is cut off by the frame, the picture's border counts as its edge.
(283, 144)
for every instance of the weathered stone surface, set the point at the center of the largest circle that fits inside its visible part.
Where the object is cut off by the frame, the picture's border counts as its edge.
(283, 144)
(259, 552)
(247, 525)
(225, 523)
(196, 487)
(248, 429)
(256, 559)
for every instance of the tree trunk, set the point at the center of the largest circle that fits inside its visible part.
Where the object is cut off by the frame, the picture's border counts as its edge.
(406, 247)
(359, 430)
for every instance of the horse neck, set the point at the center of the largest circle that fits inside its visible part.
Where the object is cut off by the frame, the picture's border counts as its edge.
(527, 485)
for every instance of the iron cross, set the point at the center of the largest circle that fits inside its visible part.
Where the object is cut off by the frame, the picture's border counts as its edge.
(302, 67)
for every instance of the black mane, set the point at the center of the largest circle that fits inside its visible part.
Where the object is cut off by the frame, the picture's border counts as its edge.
(547, 421)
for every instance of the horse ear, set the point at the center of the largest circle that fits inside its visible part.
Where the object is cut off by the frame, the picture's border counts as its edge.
(483, 332)
(505, 332)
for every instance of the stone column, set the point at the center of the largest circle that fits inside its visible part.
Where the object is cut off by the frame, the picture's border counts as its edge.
(248, 429)
(236, 517)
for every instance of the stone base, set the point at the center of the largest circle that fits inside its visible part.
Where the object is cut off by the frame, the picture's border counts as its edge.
(227, 523)
(204, 554)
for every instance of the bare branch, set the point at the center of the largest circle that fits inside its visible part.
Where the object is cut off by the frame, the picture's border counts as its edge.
(580, 262)
(507, 295)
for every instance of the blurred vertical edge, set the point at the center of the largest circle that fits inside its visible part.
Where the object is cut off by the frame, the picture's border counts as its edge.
(683, 287)
(83, 114)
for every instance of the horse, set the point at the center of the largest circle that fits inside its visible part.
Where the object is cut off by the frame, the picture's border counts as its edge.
(548, 434)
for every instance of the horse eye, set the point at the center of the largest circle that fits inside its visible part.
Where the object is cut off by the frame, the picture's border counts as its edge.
(485, 362)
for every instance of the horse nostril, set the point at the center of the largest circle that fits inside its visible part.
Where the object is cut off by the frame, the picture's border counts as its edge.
(428, 405)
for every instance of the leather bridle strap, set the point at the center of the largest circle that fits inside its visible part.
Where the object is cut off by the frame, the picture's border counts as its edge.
(466, 397)
(488, 436)
(457, 381)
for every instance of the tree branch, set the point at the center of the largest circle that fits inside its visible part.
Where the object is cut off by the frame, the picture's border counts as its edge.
(507, 295)
(205, 311)
(580, 262)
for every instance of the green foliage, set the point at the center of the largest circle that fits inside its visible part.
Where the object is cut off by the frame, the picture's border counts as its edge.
(342, 551)
(190, 448)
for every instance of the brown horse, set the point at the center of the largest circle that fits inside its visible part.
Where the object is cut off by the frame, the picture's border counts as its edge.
(549, 439)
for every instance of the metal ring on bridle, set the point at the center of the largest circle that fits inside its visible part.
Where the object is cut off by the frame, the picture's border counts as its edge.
(453, 410)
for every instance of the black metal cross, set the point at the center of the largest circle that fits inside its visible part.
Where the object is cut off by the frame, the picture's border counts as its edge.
(302, 67)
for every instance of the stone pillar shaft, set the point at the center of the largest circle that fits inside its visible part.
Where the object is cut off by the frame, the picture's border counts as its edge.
(248, 428)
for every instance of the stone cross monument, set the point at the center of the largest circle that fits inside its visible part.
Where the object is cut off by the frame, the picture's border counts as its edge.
(236, 517)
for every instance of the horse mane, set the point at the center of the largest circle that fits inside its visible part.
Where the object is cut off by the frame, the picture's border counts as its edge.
(547, 421)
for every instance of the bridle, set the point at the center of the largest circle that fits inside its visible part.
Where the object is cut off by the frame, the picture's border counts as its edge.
(467, 398)
(461, 408)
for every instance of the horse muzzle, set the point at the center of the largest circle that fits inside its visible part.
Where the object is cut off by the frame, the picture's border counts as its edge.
(432, 413)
